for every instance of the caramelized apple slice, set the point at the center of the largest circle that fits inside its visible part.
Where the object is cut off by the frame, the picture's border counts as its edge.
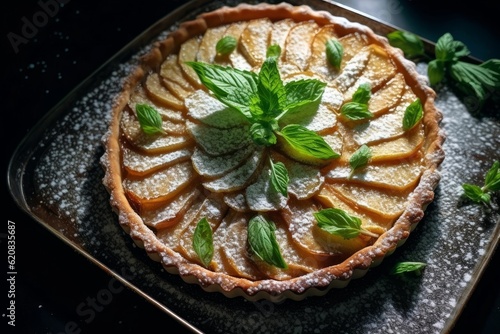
(216, 166)
(139, 97)
(170, 213)
(160, 94)
(332, 99)
(315, 117)
(280, 31)
(170, 69)
(318, 62)
(236, 58)
(400, 148)
(138, 164)
(298, 44)
(187, 53)
(240, 177)
(219, 262)
(205, 108)
(209, 138)
(387, 126)
(387, 96)
(351, 43)
(379, 69)
(254, 41)
(399, 176)
(213, 209)
(206, 50)
(372, 223)
(352, 70)
(237, 201)
(385, 203)
(177, 90)
(153, 144)
(152, 191)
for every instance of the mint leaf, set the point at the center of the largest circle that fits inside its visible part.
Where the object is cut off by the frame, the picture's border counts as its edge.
(413, 114)
(203, 241)
(231, 86)
(492, 178)
(149, 119)
(408, 267)
(273, 51)
(270, 89)
(474, 79)
(362, 94)
(475, 193)
(307, 142)
(303, 92)
(411, 45)
(360, 158)
(355, 111)
(279, 177)
(262, 133)
(334, 52)
(436, 71)
(447, 49)
(262, 241)
(338, 222)
(226, 45)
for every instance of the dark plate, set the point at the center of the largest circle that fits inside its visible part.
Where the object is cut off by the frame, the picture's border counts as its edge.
(55, 176)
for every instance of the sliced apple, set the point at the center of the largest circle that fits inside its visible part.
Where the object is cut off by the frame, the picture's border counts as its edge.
(216, 166)
(297, 49)
(170, 213)
(154, 190)
(170, 69)
(236, 58)
(387, 126)
(237, 201)
(160, 94)
(238, 178)
(315, 117)
(139, 96)
(261, 195)
(352, 71)
(388, 96)
(187, 53)
(139, 164)
(385, 203)
(280, 31)
(209, 138)
(351, 43)
(254, 41)
(400, 148)
(206, 50)
(318, 62)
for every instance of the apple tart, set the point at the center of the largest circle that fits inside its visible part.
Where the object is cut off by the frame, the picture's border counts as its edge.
(272, 151)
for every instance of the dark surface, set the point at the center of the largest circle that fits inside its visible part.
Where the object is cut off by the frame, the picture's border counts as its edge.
(52, 280)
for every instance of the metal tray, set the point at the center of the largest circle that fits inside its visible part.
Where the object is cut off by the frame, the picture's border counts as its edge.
(55, 176)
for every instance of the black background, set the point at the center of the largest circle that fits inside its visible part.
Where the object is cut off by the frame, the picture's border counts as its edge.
(66, 47)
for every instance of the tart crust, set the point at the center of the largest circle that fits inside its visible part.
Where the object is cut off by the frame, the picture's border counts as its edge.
(319, 281)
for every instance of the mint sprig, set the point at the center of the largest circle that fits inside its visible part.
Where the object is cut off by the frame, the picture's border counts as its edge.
(203, 242)
(357, 108)
(262, 240)
(149, 119)
(405, 267)
(339, 222)
(482, 194)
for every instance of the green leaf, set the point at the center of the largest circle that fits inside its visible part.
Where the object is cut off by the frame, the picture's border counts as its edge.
(273, 51)
(492, 178)
(447, 49)
(475, 79)
(411, 45)
(338, 222)
(408, 267)
(334, 52)
(307, 142)
(270, 88)
(149, 119)
(413, 114)
(203, 241)
(279, 177)
(233, 87)
(262, 241)
(436, 71)
(303, 92)
(262, 134)
(226, 45)
(360, 158)
(362, 94)
(355, 111)
(475, 193)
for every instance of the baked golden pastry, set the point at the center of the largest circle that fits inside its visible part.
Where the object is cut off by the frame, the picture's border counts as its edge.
(272, 151)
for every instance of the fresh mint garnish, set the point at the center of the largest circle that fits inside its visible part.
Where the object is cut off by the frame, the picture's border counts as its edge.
(279, 177)
(411, 45)
(357, 108)
(405, 267)
(307, 142)
(491, 184)
(203, 241)
(149, 119)
(360, 158)
(334, 52)
(262, 241)
(226, 45)
(338, 222)
(413, 114)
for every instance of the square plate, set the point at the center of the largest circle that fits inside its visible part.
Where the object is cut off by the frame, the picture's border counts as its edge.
(455, 239)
